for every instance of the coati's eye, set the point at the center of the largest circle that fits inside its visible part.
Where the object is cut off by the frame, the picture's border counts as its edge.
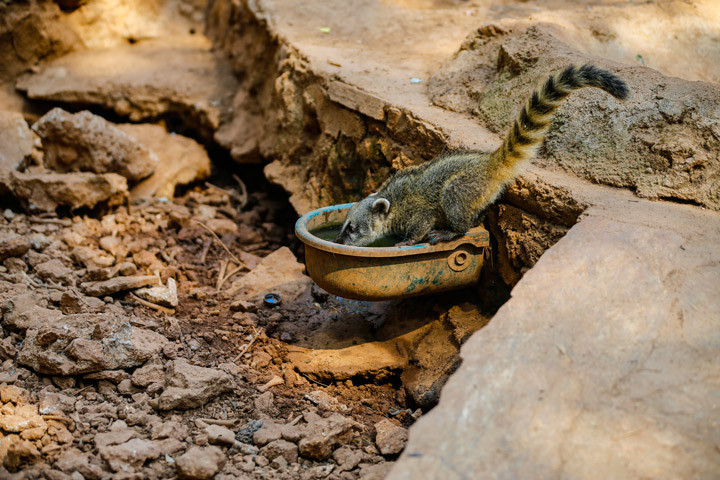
(351, 228)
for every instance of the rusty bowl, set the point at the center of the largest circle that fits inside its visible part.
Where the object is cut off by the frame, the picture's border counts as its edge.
(386, 273)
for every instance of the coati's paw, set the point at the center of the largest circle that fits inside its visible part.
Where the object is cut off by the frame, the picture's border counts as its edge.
(406, 243)
(435, 236)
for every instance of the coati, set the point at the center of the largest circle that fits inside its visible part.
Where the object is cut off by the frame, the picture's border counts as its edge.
(444, 198)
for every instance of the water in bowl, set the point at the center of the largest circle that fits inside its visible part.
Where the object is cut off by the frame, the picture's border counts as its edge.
(329, 232)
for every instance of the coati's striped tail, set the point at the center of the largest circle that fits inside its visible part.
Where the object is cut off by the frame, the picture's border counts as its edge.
(528, 131)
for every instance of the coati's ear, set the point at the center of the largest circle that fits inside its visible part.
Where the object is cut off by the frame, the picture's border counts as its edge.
(372, 194)
(381, 206)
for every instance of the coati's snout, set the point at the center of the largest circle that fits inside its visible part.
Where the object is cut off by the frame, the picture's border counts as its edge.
(366, 221)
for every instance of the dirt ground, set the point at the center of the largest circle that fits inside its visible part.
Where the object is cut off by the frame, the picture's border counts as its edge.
(136, 341)
(242, 348)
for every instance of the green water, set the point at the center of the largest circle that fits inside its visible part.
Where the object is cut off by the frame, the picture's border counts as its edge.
(329, 232)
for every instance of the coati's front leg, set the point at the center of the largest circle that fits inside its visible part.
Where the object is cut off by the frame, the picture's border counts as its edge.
(416, 228)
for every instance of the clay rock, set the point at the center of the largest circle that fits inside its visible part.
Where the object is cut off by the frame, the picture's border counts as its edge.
(84, 343)
(11, 393)
(23, 312)
(347, 458)
(580, 382)
(200, 463)
(325, 401)
(83, 142)
(390, 437)
(371, 360)
(153, 78)
(219, 435)
(148, 373)
(162, 295)
(322, 436)
(224, 226)
(54, 270)
(281, 448)
(378, 471)
(73, 459)
(52, 403)
(17, 452)
(268, 432)
(279, 272)
(115, 437)
(111, 244)
(24, 417)
(117, 284)
(243, 306)
(168, 429)
(91, 257)
(129, 455)
(14, 247)
(72, 301)
(181, 160)
(46, 191)
(190, 386)
(17, 141)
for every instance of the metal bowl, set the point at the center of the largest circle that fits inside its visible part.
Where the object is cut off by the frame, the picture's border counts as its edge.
(386, 273)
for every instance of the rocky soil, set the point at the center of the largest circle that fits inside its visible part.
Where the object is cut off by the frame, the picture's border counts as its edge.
(155, 155)
(128, 351)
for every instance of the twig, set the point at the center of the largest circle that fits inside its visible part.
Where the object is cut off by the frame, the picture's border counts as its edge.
(30, 281)
(237, 260)
(228, 275)
(295, 420)
(206, 248)
(221, 274)
(315, 381)
(246, 347)
(154, 306)
(243, 194)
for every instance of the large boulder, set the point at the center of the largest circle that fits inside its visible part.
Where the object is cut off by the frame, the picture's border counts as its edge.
(45, 192)
(181, 160)
(177, 76)
(662, 142)
(603, 362)
(75, 142)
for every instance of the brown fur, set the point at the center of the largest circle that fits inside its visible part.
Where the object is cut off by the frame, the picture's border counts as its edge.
(445, 197)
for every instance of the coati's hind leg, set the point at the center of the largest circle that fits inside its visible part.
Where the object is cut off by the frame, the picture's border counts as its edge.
(435, 236)
(457, 202)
